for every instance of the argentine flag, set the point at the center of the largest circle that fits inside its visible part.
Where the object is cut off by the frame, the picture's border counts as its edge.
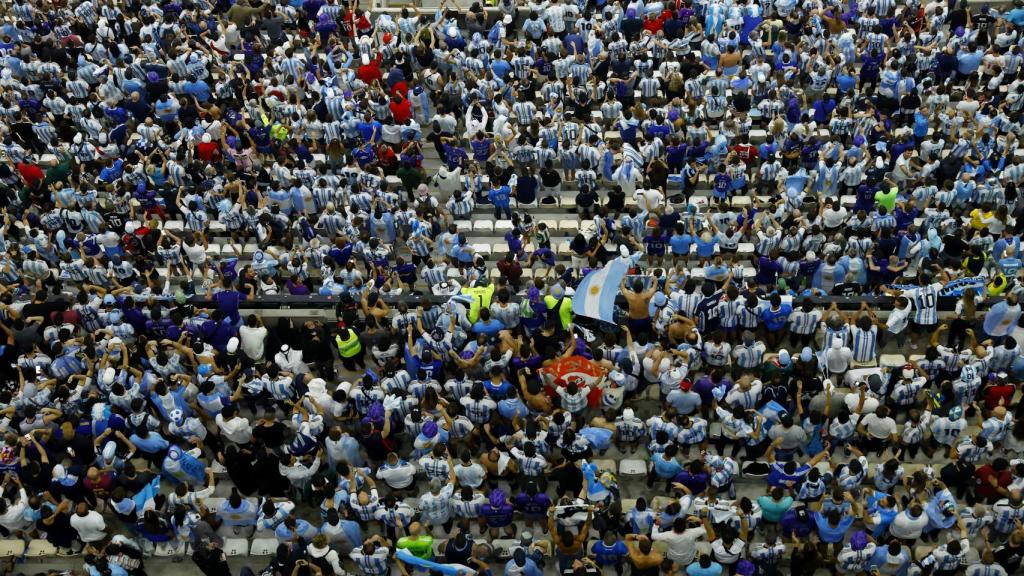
(1001, 319)
(595, 296)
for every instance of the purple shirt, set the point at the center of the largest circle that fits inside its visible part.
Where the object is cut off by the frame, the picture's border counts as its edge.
(497, 516)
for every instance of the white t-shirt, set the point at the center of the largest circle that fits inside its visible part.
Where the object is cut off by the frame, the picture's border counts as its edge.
(898, 319)
(682, 547)
(91, 527)
(879, 427)
(397, 477)
(838, 360)
(729, 555)
(251, 341)
(906, 527)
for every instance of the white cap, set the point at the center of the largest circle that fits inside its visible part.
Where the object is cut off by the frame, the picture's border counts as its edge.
(232, 346)
(206, 138)
(365, 59)
(627, 414)
(507, 19)
(107, 378)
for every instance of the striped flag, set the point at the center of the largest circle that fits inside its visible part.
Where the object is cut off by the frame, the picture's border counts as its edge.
(595, 296)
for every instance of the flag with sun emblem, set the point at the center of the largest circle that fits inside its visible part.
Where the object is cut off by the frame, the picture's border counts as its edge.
(595, 296)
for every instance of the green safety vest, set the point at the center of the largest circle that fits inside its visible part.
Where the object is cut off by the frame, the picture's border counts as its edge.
(348, 348)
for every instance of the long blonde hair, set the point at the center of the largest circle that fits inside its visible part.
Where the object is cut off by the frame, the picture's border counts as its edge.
(970, 305)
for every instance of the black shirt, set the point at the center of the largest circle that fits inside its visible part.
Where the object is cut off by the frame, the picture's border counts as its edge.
(569, 479)
(271, 435)
(847, 289)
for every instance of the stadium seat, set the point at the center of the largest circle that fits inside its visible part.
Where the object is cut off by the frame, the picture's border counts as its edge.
(630, 467)
(263, 547)
(165, 550)
(40, 549)
(483, 225)
(606, 464)
(10, 548)
(237, 547)
(892, 360)
(503, 547)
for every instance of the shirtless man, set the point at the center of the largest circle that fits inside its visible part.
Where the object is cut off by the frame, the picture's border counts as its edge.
(645, 559)
(639, 301)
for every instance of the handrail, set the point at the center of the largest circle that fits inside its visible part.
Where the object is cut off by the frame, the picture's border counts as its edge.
(289, 302)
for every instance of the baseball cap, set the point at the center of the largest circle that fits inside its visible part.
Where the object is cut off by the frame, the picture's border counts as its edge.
(685, 385)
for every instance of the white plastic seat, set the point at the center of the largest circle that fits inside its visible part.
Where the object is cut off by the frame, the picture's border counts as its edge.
(631, 467)
(482, 248)
(237, 547)
(174, 225)
(503, 226)
(10, 548)
(607, 464)
(570, 226)
(484, 225)
(40, 549)
(165, 550)
(892, 360)
(263, 547)
(213, 249)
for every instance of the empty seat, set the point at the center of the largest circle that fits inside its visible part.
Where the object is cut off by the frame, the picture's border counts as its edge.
(745, 248)
(483, 225)
(570, 226)
(40, 549)
(213, 250)
(892, 360)
(174, 225)
(10, 548)
(464, 224)
(503, 226)
(165, 550)
(263, 547)
(631, 467)
(482, 248)
(239, 546)
(607, 464)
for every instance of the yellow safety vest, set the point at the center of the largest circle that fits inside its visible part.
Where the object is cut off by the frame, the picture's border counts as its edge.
(564, 310)
(348, 348)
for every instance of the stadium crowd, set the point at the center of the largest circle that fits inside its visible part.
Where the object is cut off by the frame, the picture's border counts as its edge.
(749, 307)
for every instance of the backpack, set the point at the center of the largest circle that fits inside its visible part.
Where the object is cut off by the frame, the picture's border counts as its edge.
(323, 564)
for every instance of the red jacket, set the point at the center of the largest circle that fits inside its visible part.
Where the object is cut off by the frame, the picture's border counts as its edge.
(370, 72)
(401, 111)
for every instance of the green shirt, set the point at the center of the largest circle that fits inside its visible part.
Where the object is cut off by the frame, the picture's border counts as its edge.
(420, 546)
(887, 199)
